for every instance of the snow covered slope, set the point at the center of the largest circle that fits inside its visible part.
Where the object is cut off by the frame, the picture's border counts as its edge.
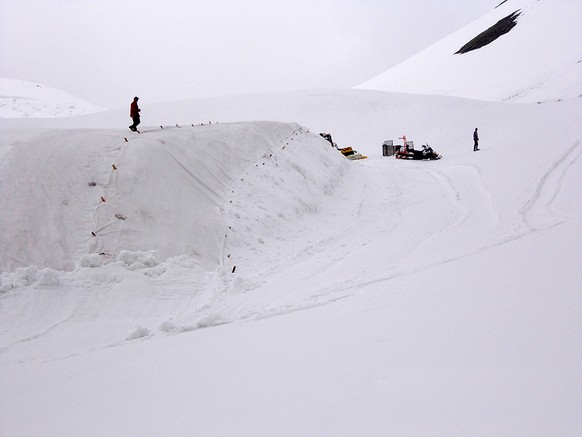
(344, 298)
(244, 278)
(19, 98)
(538, 60)
(161, 190)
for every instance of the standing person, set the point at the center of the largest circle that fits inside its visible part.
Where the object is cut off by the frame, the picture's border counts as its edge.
(476, 140)
(134, 114)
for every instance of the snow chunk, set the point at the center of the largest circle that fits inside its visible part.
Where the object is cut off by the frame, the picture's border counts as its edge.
(92, 260)
(168, 327)
(206, 321)
(139, 332)
(47, 278)
(5, 283)
(25, 276)
(139, 260)
(29, 276)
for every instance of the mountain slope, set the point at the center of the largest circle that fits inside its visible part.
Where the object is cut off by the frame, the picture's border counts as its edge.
(19, 98)
(538, 60)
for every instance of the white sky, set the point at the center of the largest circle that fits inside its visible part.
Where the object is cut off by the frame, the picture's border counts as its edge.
(107, 51)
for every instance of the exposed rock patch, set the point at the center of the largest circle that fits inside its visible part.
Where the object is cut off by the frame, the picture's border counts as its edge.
(502, 27)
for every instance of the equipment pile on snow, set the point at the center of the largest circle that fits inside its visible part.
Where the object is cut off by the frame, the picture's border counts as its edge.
(348, 152)
(351, 154)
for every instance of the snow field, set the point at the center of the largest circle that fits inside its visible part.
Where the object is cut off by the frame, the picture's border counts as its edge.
(366, 290)
(244, 278)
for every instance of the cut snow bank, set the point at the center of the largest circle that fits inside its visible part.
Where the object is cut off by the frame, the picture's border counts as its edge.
(19, 98)
(67, 194)
(536, 61)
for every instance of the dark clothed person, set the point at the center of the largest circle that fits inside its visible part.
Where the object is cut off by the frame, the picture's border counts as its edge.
(475, 140)
(134, 114)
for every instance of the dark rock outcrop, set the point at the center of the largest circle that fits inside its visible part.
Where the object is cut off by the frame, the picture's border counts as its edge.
(500, 28)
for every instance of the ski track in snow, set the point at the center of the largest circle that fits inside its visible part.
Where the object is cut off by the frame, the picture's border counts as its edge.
(480, 208)
(345, 228)
(537, 213)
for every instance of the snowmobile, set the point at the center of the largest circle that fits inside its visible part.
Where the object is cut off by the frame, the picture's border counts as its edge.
(407, 151)
(426, 153)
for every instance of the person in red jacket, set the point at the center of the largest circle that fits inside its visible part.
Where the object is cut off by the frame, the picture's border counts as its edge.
(134, 114)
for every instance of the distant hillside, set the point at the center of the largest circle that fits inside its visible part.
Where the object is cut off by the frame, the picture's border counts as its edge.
(523, 51)
(19, 98)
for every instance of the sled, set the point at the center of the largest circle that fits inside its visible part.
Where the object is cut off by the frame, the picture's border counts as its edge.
(351, 154)
(356, 156)
(348, 152)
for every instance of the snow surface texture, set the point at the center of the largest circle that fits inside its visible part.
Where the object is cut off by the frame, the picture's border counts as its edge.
(539, 60)
(246, 279)
(19, 98)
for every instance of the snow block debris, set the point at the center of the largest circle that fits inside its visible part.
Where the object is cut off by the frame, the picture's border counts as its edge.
(168, 327)
(47, 278)
(139, 332)
(139, 260)
(207, 321)
(92, 260)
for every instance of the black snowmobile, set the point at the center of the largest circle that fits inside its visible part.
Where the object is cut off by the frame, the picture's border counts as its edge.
(426, 154)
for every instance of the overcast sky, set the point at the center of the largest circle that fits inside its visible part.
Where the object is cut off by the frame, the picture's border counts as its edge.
(107, 51)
